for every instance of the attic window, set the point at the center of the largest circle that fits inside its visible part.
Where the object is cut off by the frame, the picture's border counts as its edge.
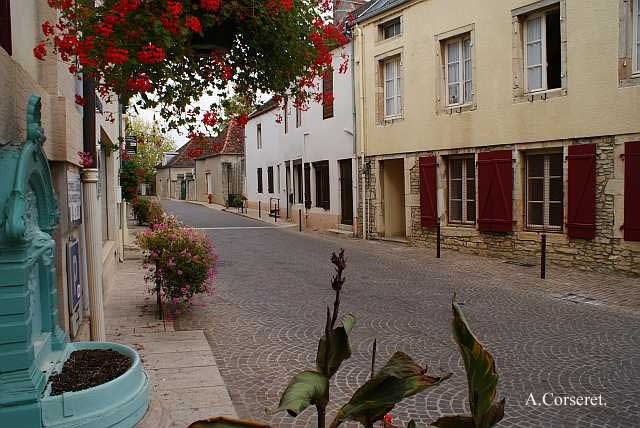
(391, 28)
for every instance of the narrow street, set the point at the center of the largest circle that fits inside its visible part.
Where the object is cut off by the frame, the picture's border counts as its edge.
(273, 286)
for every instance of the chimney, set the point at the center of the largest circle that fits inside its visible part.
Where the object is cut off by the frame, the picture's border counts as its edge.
(342, 8)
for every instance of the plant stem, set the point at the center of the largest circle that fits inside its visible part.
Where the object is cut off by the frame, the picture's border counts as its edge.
(373, 357)
(336, 307)
(322, 410)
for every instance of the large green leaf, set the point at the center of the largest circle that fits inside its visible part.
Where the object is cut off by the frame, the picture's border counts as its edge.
(328, 360)
(223, 422)
(400, 378)
(482, 379)
(305, 389)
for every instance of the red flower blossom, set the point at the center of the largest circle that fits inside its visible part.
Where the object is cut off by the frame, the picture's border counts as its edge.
(210, 118)
(387, 419)
(243, 119)
(116, 56)
(60, 4)
(170, 23)
(40, 51)
(193, 24)
(86, 159)
(139, 84)
(174, 8)
(151, 54)
(47, 28)
(210, 5)
(73, 69)
(227, 72)
(80, 101)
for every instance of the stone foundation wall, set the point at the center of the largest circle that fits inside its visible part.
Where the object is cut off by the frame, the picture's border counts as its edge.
(607, 252)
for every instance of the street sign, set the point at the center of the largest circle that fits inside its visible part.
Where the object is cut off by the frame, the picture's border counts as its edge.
(131, 144)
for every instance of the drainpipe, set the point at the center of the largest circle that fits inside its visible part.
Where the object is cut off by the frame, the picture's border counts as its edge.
(355, 125)
(123, 203)
(357, 35)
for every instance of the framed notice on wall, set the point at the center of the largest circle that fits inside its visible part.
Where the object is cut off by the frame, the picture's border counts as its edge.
(74, 197)
(73, 273)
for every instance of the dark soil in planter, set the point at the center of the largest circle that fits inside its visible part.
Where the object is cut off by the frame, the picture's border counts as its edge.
(88, 368)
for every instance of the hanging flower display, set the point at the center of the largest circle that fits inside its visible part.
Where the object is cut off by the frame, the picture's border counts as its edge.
(167, 54)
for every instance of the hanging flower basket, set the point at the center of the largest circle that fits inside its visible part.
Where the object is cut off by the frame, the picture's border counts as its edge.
(167, 54)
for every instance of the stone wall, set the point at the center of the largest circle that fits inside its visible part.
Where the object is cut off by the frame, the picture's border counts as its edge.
(607, 252)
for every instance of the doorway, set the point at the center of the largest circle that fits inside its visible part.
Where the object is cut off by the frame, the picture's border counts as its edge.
(346, 192)
(393, 198)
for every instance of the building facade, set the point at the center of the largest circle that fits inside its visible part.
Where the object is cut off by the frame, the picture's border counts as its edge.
(22, 75)
(175, 177)
(499, 122)
(303, 161)
(220, 171)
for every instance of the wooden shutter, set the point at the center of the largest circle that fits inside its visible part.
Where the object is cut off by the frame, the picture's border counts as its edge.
(307, 186)
(632, 191)
(259, 180)
(581, 221)
(327, 94)
(495, 188)
(428, 191)
(5, 26)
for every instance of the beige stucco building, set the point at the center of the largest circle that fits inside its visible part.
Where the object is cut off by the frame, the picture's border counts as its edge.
(22, 75)
(220, 171)
(492, 118)
(175, 177)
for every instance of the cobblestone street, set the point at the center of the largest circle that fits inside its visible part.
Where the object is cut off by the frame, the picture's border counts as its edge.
(273, 286)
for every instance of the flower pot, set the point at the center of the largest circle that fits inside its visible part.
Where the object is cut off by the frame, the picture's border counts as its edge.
(119, 403)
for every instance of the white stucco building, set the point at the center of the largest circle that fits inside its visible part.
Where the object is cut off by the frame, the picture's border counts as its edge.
(306, 161)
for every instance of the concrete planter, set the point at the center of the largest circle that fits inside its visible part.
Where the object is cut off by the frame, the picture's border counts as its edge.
(119, 403)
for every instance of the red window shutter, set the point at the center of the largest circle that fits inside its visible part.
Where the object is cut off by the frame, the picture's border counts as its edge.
(5, 26)
(495, 188)
(428, 192)
(581, 221)
(632, 191)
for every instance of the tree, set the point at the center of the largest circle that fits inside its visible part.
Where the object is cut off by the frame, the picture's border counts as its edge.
(152, 145)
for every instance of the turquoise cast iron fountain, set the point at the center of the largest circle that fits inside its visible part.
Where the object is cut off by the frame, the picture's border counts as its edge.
(32, 344)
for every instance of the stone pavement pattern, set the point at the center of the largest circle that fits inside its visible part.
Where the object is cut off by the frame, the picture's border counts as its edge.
(185, 382)
(273, 285)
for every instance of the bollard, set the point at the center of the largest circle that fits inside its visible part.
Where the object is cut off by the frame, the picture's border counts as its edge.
(259, 209)
(300, 220)
(543, 256)
(438, 240)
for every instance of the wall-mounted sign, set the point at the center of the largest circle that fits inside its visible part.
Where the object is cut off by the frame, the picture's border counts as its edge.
(74, 197)
(73, 272)
(131, 144)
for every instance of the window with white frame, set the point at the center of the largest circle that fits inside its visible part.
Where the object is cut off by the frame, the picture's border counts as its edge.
(462, 190)
(542, 50)
(459, 79)
(259, 135)
(391, 28)
(544, 191)
(392, 81)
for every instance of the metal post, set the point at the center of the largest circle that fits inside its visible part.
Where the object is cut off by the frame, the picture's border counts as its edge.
(158, 297)
(300, 220)
(543, 256)
(438, 240)
(276, 212)
(260, 209)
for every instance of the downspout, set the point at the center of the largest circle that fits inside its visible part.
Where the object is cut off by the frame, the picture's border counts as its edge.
(355, 125)
(358, 35)
(123, 203)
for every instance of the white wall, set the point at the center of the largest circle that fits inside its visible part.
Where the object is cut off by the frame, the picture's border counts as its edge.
(317, 139)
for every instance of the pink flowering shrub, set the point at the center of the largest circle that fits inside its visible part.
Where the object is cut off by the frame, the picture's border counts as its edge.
(181, 258)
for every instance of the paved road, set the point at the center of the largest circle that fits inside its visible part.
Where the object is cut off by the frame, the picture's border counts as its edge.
(273, 287)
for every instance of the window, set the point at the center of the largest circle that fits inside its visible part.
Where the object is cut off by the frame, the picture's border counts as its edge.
(459, 71)
(542, 50)
(392, 87)
(5, 26)
(322, 184)
(259, 180)
(327, 94)
(544, 191)
(286, 116)
(298, 118)
(462, 191)
(391, 28)
(297, 182)
(278, 179)
(209, 179)
(259, 135)
(270, 179)
(307, 186)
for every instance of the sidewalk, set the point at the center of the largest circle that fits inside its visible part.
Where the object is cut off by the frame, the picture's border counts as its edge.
(185, 381)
